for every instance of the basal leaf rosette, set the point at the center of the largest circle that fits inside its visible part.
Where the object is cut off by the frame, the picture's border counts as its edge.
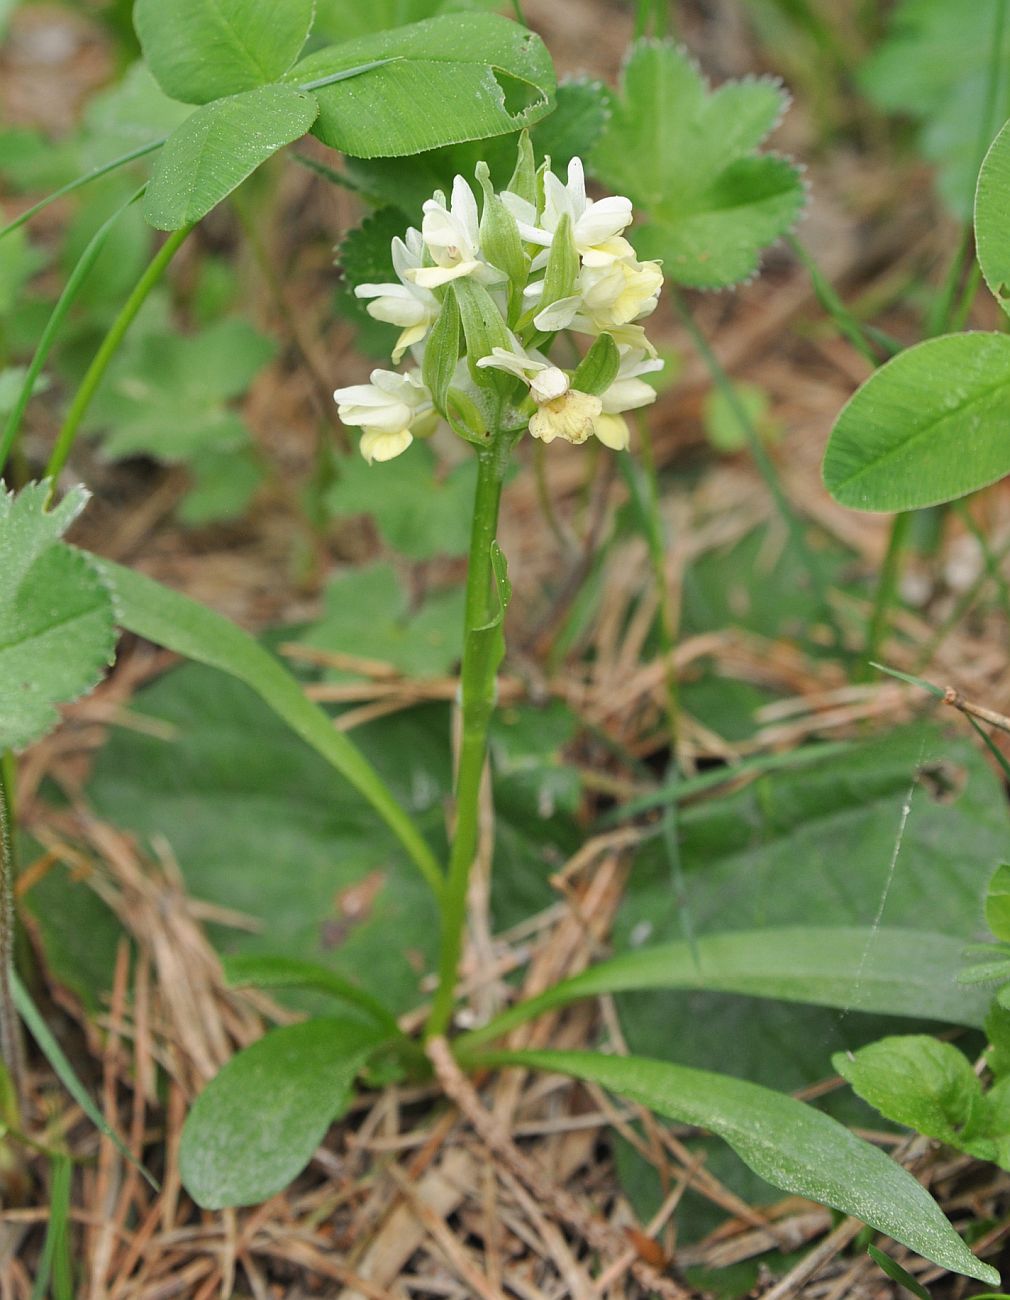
(57, 631)
(482, 292)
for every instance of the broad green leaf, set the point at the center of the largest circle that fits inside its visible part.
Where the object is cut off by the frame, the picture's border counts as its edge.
(180, 624)
(791, 1145)
(805, 846)
(336, 20)
(687, 158)
(367, 614)
(256, 1124)
(404, 183)
(997, 903)
(997, 1028)
(890, 972)
(934, 67)
(992, 218)
(931, 425)
(917, 1081)
(990, 1138)
(451, 78)
(259, 824)
(420, 512)
(215, 149)
(57, 633)
(200, 50)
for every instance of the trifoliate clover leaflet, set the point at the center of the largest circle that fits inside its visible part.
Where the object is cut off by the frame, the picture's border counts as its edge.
(606, 291)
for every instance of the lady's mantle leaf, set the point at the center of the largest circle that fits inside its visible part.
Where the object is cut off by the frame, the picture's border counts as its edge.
(687, 157)
(56, 619)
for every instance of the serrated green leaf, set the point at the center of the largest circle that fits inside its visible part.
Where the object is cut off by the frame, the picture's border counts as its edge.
(934, 66)
(791, 1145)
(451, 78)
(218, 146)
(581, 112)
(687, 158)
(890, 972)
(369, 614)
(992, 218)
(256, 1124)
(931, 425)
(201, 50)
(419, 511)
(917, 1081)
(57, 633)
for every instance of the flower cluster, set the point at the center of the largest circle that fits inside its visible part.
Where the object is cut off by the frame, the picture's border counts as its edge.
(480, 297)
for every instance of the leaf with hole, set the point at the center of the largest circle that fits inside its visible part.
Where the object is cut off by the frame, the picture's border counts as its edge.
(201, 50)
(57, 632)
(256, 1124)
(791, 1145)
(451, 78)
(931, 425)
(218, 147)
(688, 158)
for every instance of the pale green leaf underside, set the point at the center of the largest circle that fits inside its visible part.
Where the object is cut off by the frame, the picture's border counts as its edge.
(791, 1145)
(453, 78)
(890, 972)
(256, 1124)
(930, 426)
(218, 146)
(992, 218)
(57, 633)
(180, 624)
(687, 157)
(201, 50)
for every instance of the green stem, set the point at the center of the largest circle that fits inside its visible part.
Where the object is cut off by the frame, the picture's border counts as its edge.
(794, 525)
(107, 350)
(66, 300)
(827, 296)
(886, 590)
(11, 1045)
(477, 679)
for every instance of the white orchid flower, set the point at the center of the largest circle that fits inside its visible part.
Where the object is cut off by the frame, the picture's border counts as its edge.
(452, 236)
(608, 298)
(597, 225)
(390, 410)
(406, 304)
(628, 392)
(562, 411)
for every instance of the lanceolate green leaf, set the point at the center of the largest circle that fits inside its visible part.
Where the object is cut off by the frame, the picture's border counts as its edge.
(256, 1124)
(688, 158)
(180, 624)
(792, 1145)
(452, 78)
(57, 633)
(216, 148)
(891, 972)
(250, 970)
(992, 218)
(931, 425)
(200, 50)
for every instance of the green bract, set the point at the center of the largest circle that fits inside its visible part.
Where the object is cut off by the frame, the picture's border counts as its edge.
(689, 158)
(57, 634)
